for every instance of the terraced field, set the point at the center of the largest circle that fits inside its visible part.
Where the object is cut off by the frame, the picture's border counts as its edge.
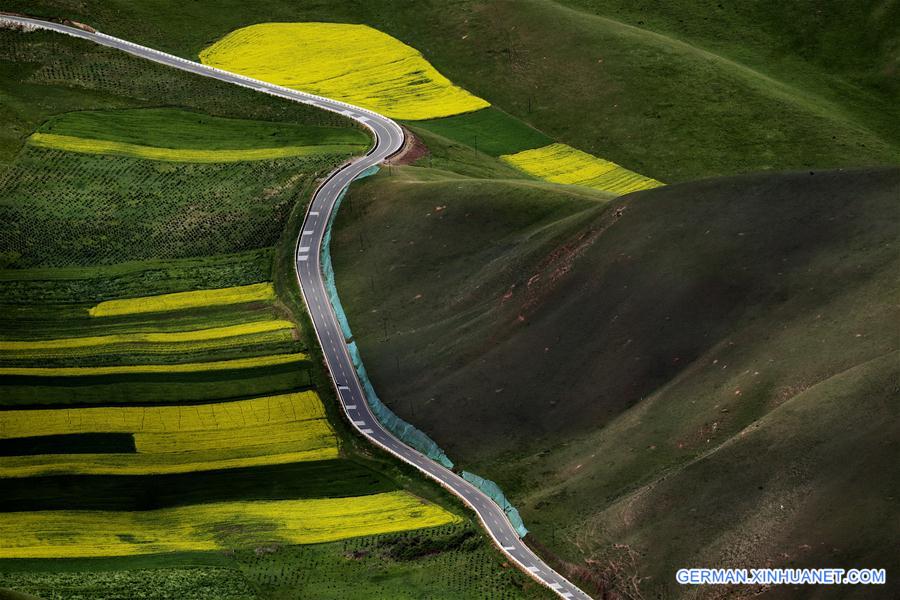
(128, 374)
(62, 206)
(715, 322)
(286, 428)
(212, 526)
(161, 400)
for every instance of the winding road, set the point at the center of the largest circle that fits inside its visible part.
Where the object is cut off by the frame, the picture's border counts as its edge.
(389, 139)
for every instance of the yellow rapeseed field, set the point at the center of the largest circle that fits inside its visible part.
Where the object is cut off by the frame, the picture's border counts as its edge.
(218, 526)
(175, 439)
(219, 365)
(94, 146)
(256, 292)
(559, 163)
(352, 63)
(280, 408)
(273, 330)
(163, 464)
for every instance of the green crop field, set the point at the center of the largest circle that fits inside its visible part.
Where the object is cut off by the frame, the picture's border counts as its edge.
(178, 129)
(451, 561)
(177, 210)
(315, 479)
(488, 130)
(154, 355)
(44, 76)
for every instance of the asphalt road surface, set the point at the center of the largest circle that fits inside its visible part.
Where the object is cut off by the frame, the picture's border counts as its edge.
(389, 139)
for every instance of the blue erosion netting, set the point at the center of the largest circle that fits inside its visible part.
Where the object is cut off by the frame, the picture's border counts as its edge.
(496, 494)
(407, 433)
(404, 431)
(397, 426)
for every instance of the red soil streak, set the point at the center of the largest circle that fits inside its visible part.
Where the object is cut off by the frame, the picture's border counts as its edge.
(413, 149)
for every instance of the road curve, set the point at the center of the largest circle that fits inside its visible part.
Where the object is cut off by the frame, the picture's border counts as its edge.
(389, 139)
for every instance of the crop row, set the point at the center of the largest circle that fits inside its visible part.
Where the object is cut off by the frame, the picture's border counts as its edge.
(453, 558)
(329, 570)
(69, 443)
(62, 208)
(176, 439)
(266, 410)
(188, 130)
(210, 527)
(76, 285)
(156, 356)
(257, 292)
(175, 342)
(186, 583)
(205, 367)
(46, 322)
(352, 63)
(332, 478)
(311, 442)
(162, 388)
(189, 155)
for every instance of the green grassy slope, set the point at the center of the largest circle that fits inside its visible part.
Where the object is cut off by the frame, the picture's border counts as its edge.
(851, 43)
(619, 378)
(488, 130)
(715, 105)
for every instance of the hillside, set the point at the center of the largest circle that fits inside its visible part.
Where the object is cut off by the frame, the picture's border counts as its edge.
(166, 425)
(700, 374)
(727, 90)
(620, 367)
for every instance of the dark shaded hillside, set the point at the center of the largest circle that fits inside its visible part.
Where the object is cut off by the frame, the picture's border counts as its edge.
(653, 351)
(641, 292)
